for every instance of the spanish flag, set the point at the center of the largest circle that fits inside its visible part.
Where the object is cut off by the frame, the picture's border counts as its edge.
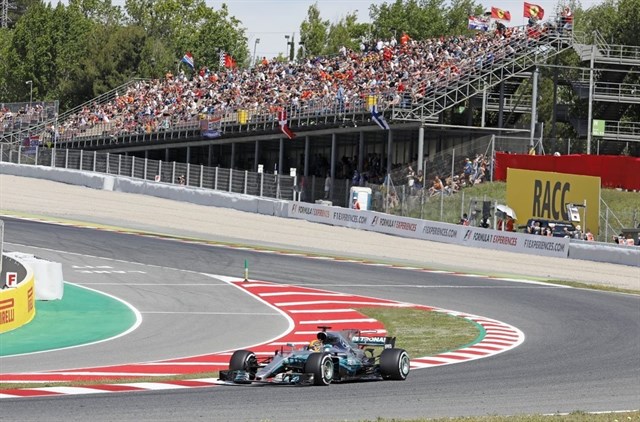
(533, 11)
(497, 13)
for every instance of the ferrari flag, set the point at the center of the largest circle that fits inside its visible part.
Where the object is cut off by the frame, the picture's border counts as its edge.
(533, 11)
(497, 13)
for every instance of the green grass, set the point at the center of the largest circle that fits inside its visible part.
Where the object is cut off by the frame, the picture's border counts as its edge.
(572, 417)
(624, 206)
(422, 333)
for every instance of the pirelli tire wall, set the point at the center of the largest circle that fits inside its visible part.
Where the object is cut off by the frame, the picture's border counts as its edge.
(17, 304)
(336, 216)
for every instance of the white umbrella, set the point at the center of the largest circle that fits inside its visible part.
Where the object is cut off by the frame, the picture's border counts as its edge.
(507, 210)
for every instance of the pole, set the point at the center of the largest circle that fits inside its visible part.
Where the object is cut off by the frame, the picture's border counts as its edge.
(534, 105)
(590, 113)
(420, 147)
(484, 106)
(246, 270)
(255, 45)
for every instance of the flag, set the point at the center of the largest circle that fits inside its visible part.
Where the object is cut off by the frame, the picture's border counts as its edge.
(497, 13)
(478, 23)
(226, 60)
(533, 11)
(229, 61)
(284, 126)
(221, 61)
(379, 118)
(188, 60)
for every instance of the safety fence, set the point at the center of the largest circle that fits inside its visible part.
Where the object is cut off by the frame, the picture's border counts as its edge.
(236, 181)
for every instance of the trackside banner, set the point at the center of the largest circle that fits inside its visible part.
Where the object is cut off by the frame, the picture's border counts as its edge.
(515, 242)
(430, 230)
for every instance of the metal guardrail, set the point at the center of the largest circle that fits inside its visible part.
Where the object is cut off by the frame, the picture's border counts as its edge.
(614, 53)
(52, 120)
(235, 121)
(229, 180)
(621, 131)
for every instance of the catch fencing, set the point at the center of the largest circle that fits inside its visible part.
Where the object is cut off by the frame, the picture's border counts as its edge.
(236, 181)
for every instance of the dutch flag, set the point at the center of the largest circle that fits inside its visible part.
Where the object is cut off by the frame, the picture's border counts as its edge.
(188, 60)
(379, 118)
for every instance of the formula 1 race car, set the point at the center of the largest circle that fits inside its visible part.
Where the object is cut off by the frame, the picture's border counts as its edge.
(333, 356)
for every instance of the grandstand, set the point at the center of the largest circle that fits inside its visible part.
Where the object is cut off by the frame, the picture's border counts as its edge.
(429, 91)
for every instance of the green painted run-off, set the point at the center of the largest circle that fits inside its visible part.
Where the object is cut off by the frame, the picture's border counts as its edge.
(82, 316)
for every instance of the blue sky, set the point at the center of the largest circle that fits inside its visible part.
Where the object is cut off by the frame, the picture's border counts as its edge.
(271, 20)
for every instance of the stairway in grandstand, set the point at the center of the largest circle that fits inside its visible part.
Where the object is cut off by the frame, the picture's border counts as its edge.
(613, 94)
(53, 120)
(532, 51)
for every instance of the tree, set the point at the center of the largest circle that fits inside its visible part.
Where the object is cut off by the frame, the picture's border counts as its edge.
(190, 25)
(420, 19)
(313, 32)
(346, 32)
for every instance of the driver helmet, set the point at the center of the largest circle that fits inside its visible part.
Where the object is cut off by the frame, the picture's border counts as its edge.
(315, 345)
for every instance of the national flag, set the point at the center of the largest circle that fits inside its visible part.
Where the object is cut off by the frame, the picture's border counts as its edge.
(284, 126)
(379, 118)
(497, 13)
(188, 60)
(229, 61)
(226, 60)
(533, 11)
(478, 23)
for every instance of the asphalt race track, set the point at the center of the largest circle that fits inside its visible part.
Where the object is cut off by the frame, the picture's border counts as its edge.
(580, 352)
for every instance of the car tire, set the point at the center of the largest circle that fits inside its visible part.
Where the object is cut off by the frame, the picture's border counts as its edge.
(394, 364)
(244, 360)
(321, 366)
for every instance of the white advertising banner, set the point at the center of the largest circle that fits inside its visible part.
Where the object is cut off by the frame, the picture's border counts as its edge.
(430, 230)
(399, 226)
(441, 232)
(514, 242)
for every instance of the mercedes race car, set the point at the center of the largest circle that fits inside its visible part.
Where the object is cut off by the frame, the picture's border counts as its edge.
(333, 356)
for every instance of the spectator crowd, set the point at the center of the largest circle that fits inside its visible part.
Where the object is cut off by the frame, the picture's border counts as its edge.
(393, 71)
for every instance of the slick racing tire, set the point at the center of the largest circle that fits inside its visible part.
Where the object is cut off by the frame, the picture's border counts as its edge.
(321, 366)
(244, 360)
(394, 364)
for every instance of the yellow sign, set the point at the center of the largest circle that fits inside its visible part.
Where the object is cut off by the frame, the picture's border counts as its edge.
(545, 195)
(17, 305)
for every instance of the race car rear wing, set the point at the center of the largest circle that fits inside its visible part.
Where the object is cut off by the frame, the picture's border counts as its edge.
(380, 341)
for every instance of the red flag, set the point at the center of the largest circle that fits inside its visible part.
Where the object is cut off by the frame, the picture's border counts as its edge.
(284, 127)
(533, 11)
(497, 13)
(229, 61)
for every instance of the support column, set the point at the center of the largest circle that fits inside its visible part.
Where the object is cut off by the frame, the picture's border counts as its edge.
(389, 150)
(256, 156)
(306, 156)
(210, 156)
(534, 105)
(420, 148)
(166, 155)
(188, 158)
(281, 157)
(232, 163)
(333, 162)
(146, 153)
(361, 152)
(501, 106)
(590, 114)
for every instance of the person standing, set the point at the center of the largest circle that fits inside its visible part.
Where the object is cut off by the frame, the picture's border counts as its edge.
(327, 186)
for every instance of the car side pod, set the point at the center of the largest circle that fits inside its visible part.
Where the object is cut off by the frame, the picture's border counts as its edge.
(394, 364)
